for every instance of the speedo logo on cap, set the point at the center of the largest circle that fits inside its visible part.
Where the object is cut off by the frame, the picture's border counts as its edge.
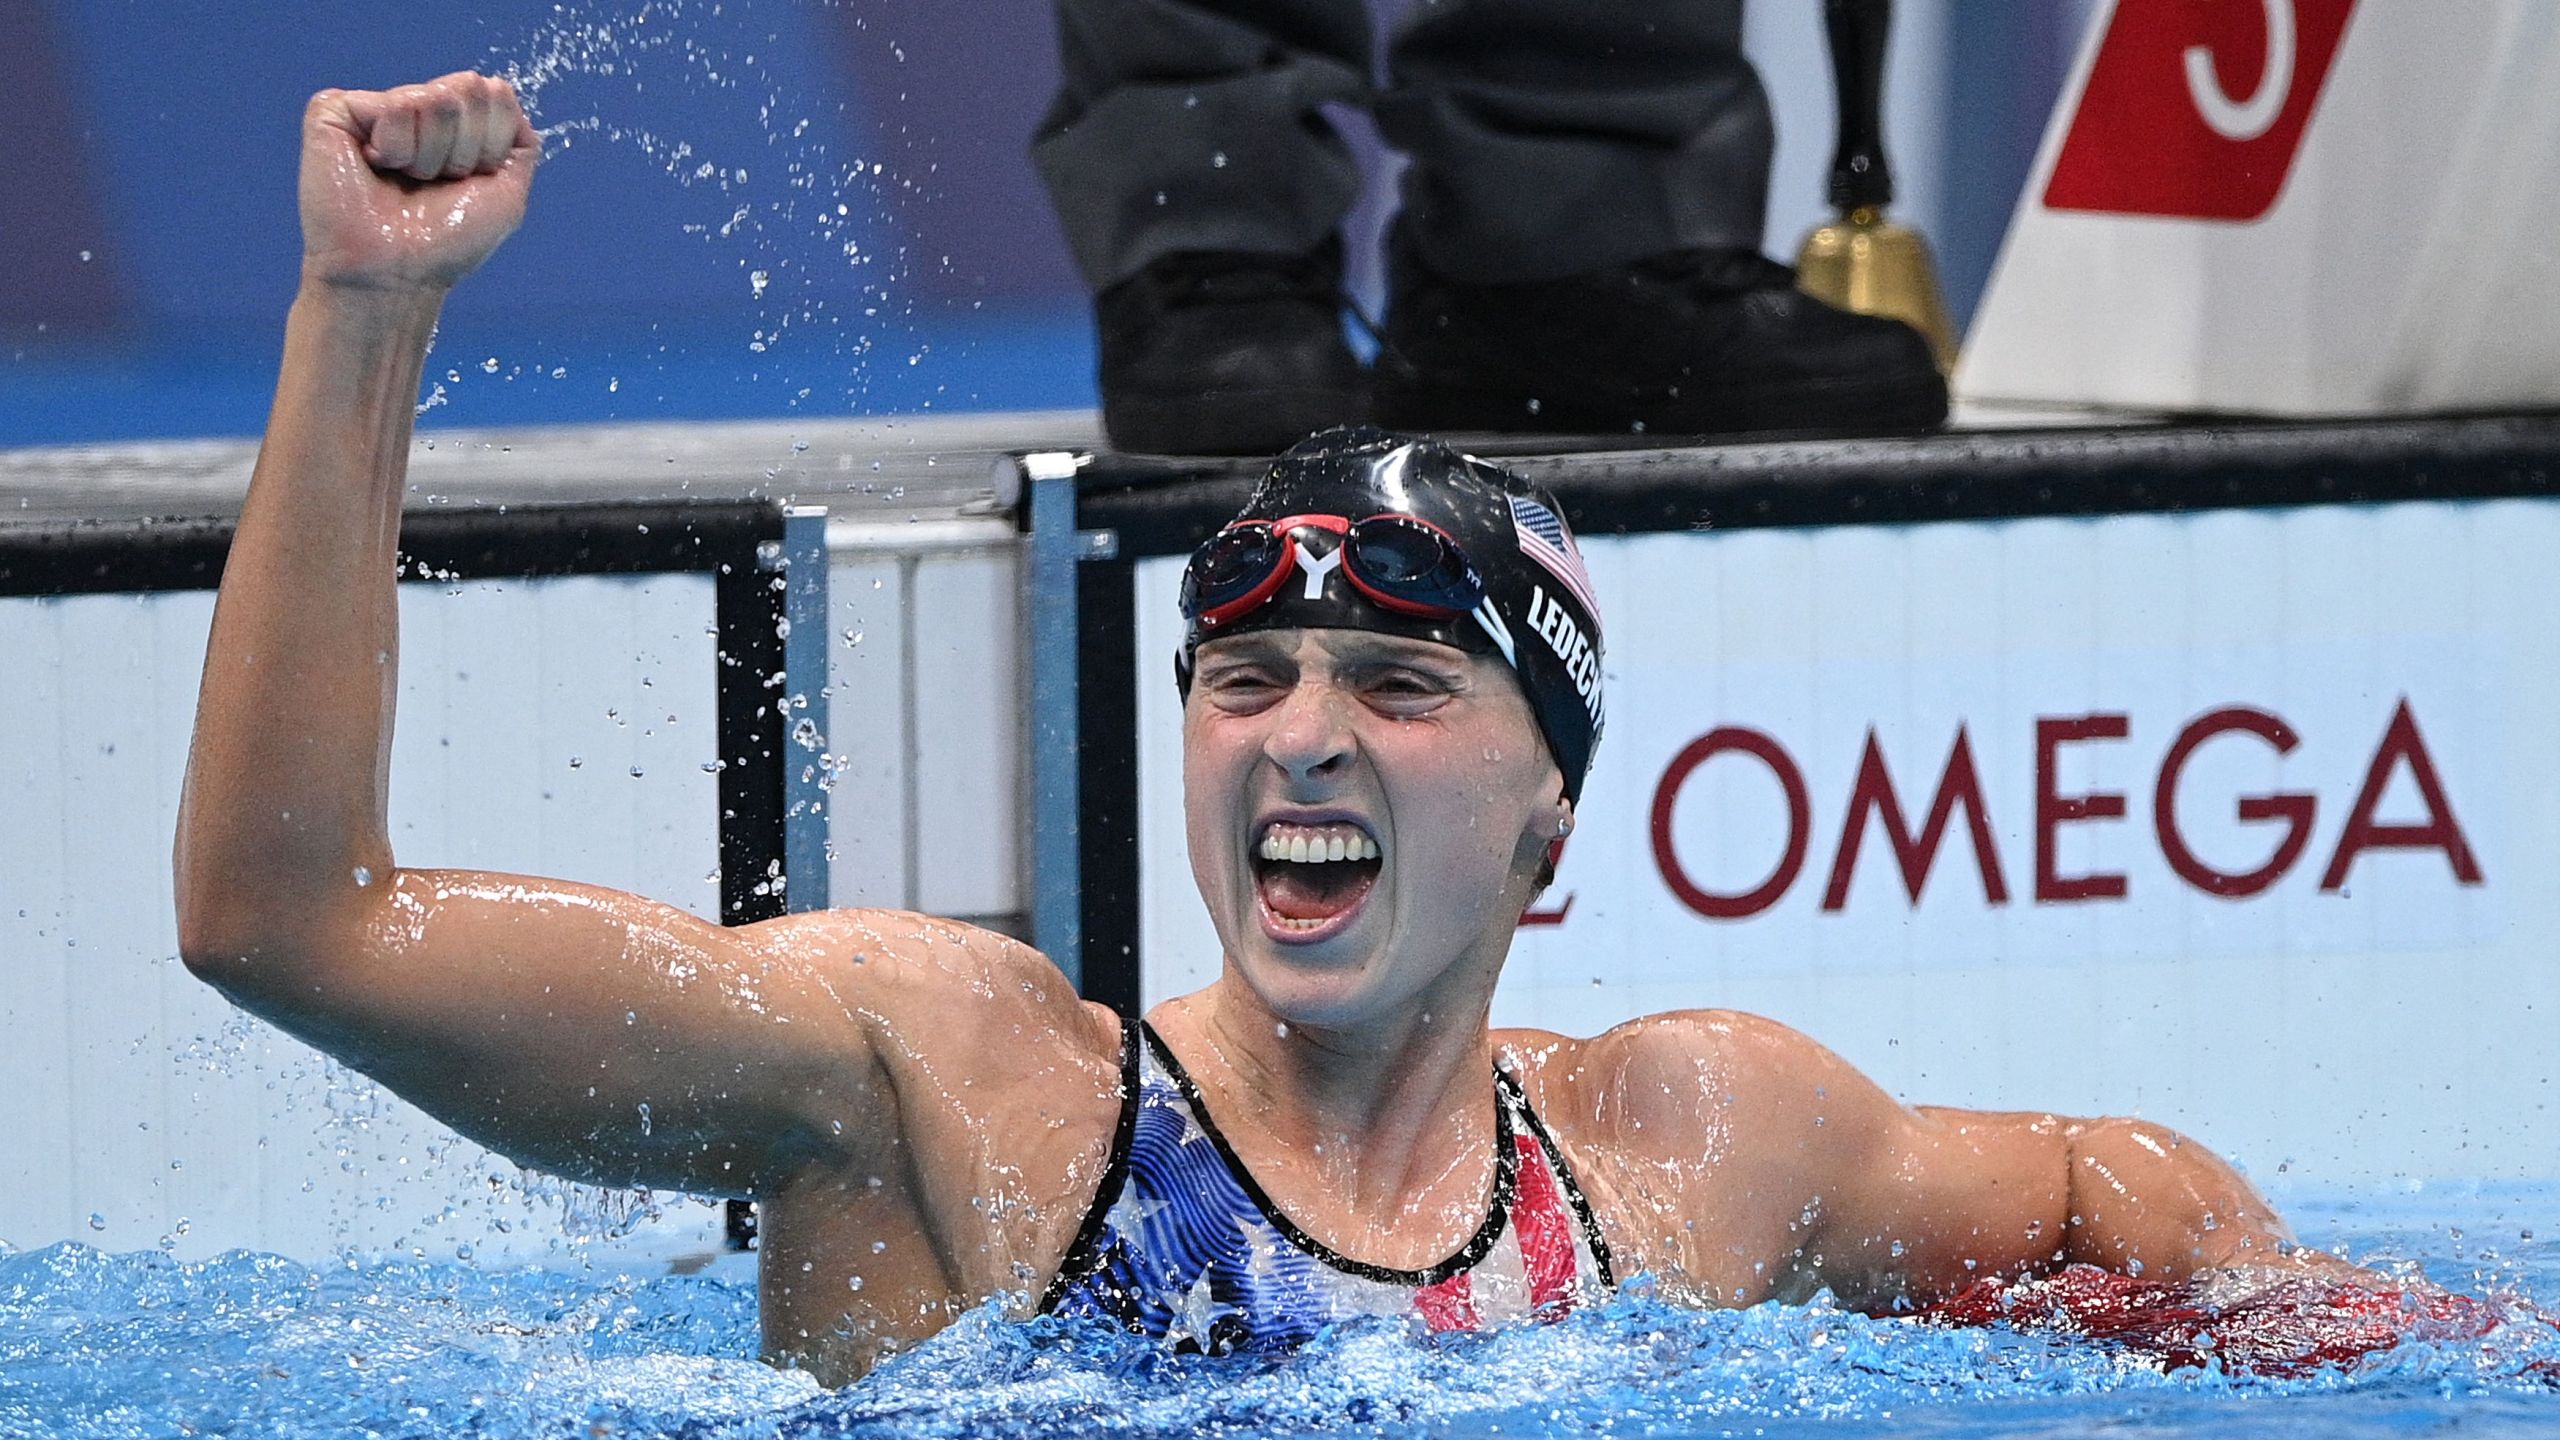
(1555, 625)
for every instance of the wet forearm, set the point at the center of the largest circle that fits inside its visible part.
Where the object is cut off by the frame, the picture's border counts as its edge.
(285, 787)
(2148, 1201)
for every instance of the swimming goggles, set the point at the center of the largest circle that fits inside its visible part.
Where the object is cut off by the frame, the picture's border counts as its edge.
(1398, 562)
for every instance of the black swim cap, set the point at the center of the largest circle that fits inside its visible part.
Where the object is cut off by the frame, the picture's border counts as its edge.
(1509, 581)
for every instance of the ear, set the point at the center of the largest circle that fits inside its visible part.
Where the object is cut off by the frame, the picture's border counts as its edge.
(1561, 827)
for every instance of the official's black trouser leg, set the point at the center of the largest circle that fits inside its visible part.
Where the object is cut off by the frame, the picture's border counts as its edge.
(1557, 137)
(1195, 125)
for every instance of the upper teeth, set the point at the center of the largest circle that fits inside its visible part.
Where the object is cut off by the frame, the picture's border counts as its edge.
(1313, 845)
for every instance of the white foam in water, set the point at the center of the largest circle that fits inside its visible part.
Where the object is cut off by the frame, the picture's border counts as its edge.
(99, 1345)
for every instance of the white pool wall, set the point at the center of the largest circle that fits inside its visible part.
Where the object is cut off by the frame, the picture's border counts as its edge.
(143, 1110)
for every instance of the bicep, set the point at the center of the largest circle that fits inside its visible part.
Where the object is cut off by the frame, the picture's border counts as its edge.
(593, 1032)
(1938, 1198)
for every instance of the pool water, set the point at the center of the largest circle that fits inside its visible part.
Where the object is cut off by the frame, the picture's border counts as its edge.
(96, 1344)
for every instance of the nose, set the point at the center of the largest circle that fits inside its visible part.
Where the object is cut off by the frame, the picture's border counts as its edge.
(1310, 735)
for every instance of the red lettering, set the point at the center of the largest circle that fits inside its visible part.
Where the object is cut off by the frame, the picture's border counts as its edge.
(1535, 916)
(1713, 905)
(2055, 811)
(2401, 743)
(2293, 808)
(1873, 792)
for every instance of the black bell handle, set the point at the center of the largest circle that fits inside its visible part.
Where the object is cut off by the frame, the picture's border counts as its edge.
(1859, 178)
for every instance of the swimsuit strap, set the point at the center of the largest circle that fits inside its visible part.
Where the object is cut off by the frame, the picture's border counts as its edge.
(1517, 1095)
(1085, 1255)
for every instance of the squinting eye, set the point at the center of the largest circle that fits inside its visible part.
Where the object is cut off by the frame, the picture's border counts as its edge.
(1407, 687)
(1240, 684)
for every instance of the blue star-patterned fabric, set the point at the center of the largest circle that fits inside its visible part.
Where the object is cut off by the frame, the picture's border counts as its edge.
(1183, 1245)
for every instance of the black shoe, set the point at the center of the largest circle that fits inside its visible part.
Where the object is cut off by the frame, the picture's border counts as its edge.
(1227, 353)
(1696, 342)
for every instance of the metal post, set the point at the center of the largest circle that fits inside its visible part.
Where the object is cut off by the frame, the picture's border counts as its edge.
(805, 781)
(1057, 925)
(798, 564)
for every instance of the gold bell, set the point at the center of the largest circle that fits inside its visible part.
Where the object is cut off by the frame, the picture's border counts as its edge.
(1863, 262)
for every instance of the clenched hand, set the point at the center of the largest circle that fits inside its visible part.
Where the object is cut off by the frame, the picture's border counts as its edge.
(412, 188)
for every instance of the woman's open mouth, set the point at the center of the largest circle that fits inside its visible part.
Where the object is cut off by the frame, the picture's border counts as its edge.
(1313, 878)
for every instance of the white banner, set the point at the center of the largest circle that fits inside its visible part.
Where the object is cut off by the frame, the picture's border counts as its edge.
(2288, 206)
(2234, 820)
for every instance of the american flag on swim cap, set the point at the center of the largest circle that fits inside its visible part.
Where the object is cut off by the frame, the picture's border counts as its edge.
(1544, 539)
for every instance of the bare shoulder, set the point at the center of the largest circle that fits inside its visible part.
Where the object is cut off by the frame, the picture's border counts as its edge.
(920, 982)
(1655, 1065)
(1705, 1139)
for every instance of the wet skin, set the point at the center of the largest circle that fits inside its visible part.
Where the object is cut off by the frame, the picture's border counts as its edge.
(926, 1108)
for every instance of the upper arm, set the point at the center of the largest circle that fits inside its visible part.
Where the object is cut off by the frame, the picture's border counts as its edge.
(615, 1038)
(1801, 1172)
(1752, 1153)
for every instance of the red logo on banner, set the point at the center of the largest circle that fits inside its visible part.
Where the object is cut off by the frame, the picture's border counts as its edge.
(2195, 108)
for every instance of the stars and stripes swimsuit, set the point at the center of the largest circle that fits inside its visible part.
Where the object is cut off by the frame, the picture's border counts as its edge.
(1182, 1244)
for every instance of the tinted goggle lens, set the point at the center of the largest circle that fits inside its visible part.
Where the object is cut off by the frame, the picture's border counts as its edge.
(1230, 565)
(1413, 562)
(1400, 562)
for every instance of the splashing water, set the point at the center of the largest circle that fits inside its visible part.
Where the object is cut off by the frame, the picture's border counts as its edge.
(803, 228)
(97, 1345)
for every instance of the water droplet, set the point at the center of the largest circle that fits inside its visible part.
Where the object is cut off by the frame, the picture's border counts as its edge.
(646, 1124)
(576, 760)
(489, 366)
(84, 257)
(1218, 160)
(364, 877)
(97, 1221)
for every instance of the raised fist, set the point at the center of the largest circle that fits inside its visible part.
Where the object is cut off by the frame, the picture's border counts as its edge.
(412, 188)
